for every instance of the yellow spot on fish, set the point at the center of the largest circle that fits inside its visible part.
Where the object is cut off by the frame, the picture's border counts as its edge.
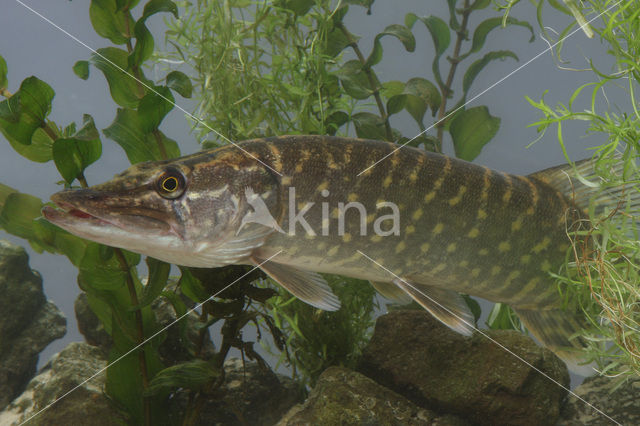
(430, 196)
(413, 176)
(542, 245)
(455, 200)
(371, 217)
(332, 251)
(441, 267)
(409, 229)
(504, 246)
(387, 181)
(286, 180)
(425, 247)
(400, 247)
(376, 238)
(298, 168)
(322, 246)
(335, 213)
(483, 252)
(473, 233)
(495, 270)
(309, 236)
(525, 259)
(482, 214)
(346, 237)
(451, 248)
(352, 197)
(516, 225)
(475, 272)
(530, 211)
(324, 185)
(486, 184)
(438, 228)
(464, 264)
(417, 214)
(512, 276)
(546, 265)
(530, 286)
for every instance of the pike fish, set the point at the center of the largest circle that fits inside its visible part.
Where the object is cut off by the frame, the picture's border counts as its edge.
(419, 225)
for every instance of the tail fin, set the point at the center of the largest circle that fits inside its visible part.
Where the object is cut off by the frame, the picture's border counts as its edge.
(556, 329)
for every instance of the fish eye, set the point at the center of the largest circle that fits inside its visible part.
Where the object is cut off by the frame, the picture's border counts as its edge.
(171, 184)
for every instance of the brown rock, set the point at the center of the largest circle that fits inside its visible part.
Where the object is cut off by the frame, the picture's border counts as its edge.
(433, 366)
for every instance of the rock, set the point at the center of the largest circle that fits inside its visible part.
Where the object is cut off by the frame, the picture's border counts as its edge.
(345, 397)
(622, 404)
(418, 357)
(89, 325)
(250, 395)
(66, 370)
(28, 322)
(172, 350)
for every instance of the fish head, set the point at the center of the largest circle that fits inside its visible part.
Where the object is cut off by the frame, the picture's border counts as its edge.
(176, 211)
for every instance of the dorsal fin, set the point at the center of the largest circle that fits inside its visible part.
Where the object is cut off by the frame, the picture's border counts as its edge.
(580, 183)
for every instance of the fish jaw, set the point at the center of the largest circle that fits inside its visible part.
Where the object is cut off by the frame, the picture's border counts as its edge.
(82, 213)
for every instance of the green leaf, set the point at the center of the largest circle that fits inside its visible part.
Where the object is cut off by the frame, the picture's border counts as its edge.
(480, 4)
(179, 82)
(156, 6)
(4, 83)
(81, 69)
(192, 287)
(453, 19)
(474, 307)
(441, 36)
(430, 142)
(113, 63)
(502, 317)
(158, 276)
(369, 126)
(423, 95)
(486, 26)
(5, 191)
(471, 130)
(73, 155)
(354, 80)
(400, 32)
(337, 41)
(128, 131)
(40, 149)
(154, 107)
(110, 21)
(26, 110)
(299, 7)
(18, 212)
(191, 375)
(143, 48)
(475, 68)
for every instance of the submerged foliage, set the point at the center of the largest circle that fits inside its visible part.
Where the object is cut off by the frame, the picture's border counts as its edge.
(601, 275)
(258, 69)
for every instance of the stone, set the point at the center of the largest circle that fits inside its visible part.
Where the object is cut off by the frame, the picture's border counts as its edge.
(345, 397)
(415, 355)
(172, 350)
(621, 404)
(251, 395)
(65, 371)
(28, 322)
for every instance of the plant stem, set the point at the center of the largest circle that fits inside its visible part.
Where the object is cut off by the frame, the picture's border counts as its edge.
(454, 60)
(140, 332)
(371, 77)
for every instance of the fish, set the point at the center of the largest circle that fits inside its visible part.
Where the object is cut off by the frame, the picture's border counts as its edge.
(419, 226)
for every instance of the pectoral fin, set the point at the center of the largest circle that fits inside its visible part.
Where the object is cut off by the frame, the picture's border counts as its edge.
(392, 292)
(307, 286)
(446, 305)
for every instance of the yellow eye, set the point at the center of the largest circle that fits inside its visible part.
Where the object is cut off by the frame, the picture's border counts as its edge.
(171, 184)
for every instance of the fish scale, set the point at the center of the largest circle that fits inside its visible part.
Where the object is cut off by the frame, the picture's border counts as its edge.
(444, 226)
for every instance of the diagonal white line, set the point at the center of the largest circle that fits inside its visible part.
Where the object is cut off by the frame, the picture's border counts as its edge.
(138, 346)
(550, 48)
(491, 339)
(77, 40)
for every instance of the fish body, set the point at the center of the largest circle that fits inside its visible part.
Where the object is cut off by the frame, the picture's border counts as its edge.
(418, 225)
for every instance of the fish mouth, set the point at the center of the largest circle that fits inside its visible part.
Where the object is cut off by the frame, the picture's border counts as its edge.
(65, 212)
